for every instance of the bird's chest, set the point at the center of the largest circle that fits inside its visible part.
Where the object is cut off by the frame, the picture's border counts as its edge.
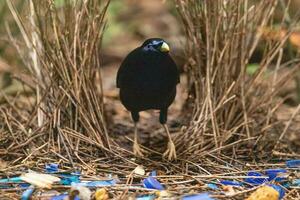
(150, 79)
(151, 76)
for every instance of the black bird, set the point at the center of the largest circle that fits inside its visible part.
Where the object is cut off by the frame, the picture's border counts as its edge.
(147, 79)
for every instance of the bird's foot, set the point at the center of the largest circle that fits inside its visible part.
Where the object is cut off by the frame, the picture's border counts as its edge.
(170, 153)
(137, 150)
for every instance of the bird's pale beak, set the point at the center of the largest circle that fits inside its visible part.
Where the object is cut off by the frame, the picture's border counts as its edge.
(164, 47)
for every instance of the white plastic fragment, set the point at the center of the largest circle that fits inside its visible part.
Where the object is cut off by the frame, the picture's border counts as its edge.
(84, 193)
(40, 180)
(139, 170)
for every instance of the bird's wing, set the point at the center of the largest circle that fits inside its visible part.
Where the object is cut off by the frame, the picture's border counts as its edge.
(119, 75)
(178, 74)
(125, 66)
(175, 70)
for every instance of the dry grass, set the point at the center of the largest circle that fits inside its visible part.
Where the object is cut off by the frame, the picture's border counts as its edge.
(60, 50)
(65, 120)
(231, 107)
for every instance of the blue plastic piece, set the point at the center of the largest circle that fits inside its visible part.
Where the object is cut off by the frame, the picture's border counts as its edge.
(255, 181)
(77, 173)
(68, 179)
(59, 197)
(152, 183)
(212, 186)
(51, 168)
(202, 196)
(11, 180)
(232, 183)
(286, 184)
(27, 193)
(24, 185)
(153, 173)
(147, 197)
(4, 186)
(293, 163)
(63, 197)
(274, 174)
(96, 183)
(279, 189)
(296, 182)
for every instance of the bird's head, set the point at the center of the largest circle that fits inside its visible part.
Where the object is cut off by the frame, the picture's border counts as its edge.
(155, 45)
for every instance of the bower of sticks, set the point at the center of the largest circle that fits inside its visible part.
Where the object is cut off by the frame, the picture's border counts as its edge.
(236, 109)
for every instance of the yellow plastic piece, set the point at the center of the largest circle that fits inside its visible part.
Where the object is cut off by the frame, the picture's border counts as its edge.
(264, 193)
(101, 194)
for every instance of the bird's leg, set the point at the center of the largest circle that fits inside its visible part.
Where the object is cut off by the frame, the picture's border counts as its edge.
(170, 153)
(137, 150)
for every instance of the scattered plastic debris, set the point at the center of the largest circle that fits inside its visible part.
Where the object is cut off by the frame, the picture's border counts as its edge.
(256, 181)
(51, 168)
(46, 194)
(24, 185)
(40, 180)
(27, 193)
(212, 186)
(276, 174)
(59, 197)
(83, 193)
(293, 163)
(68, 179)
(81, 186)
(95, 183)
(152, 183)
(279, 189)
(101, 194)
(296, 182)
(231, 183)
(4, 183)
(153, 173)
(63, 197)
(146, 197)
(202, 196)
(11, 180)
(264, 193)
